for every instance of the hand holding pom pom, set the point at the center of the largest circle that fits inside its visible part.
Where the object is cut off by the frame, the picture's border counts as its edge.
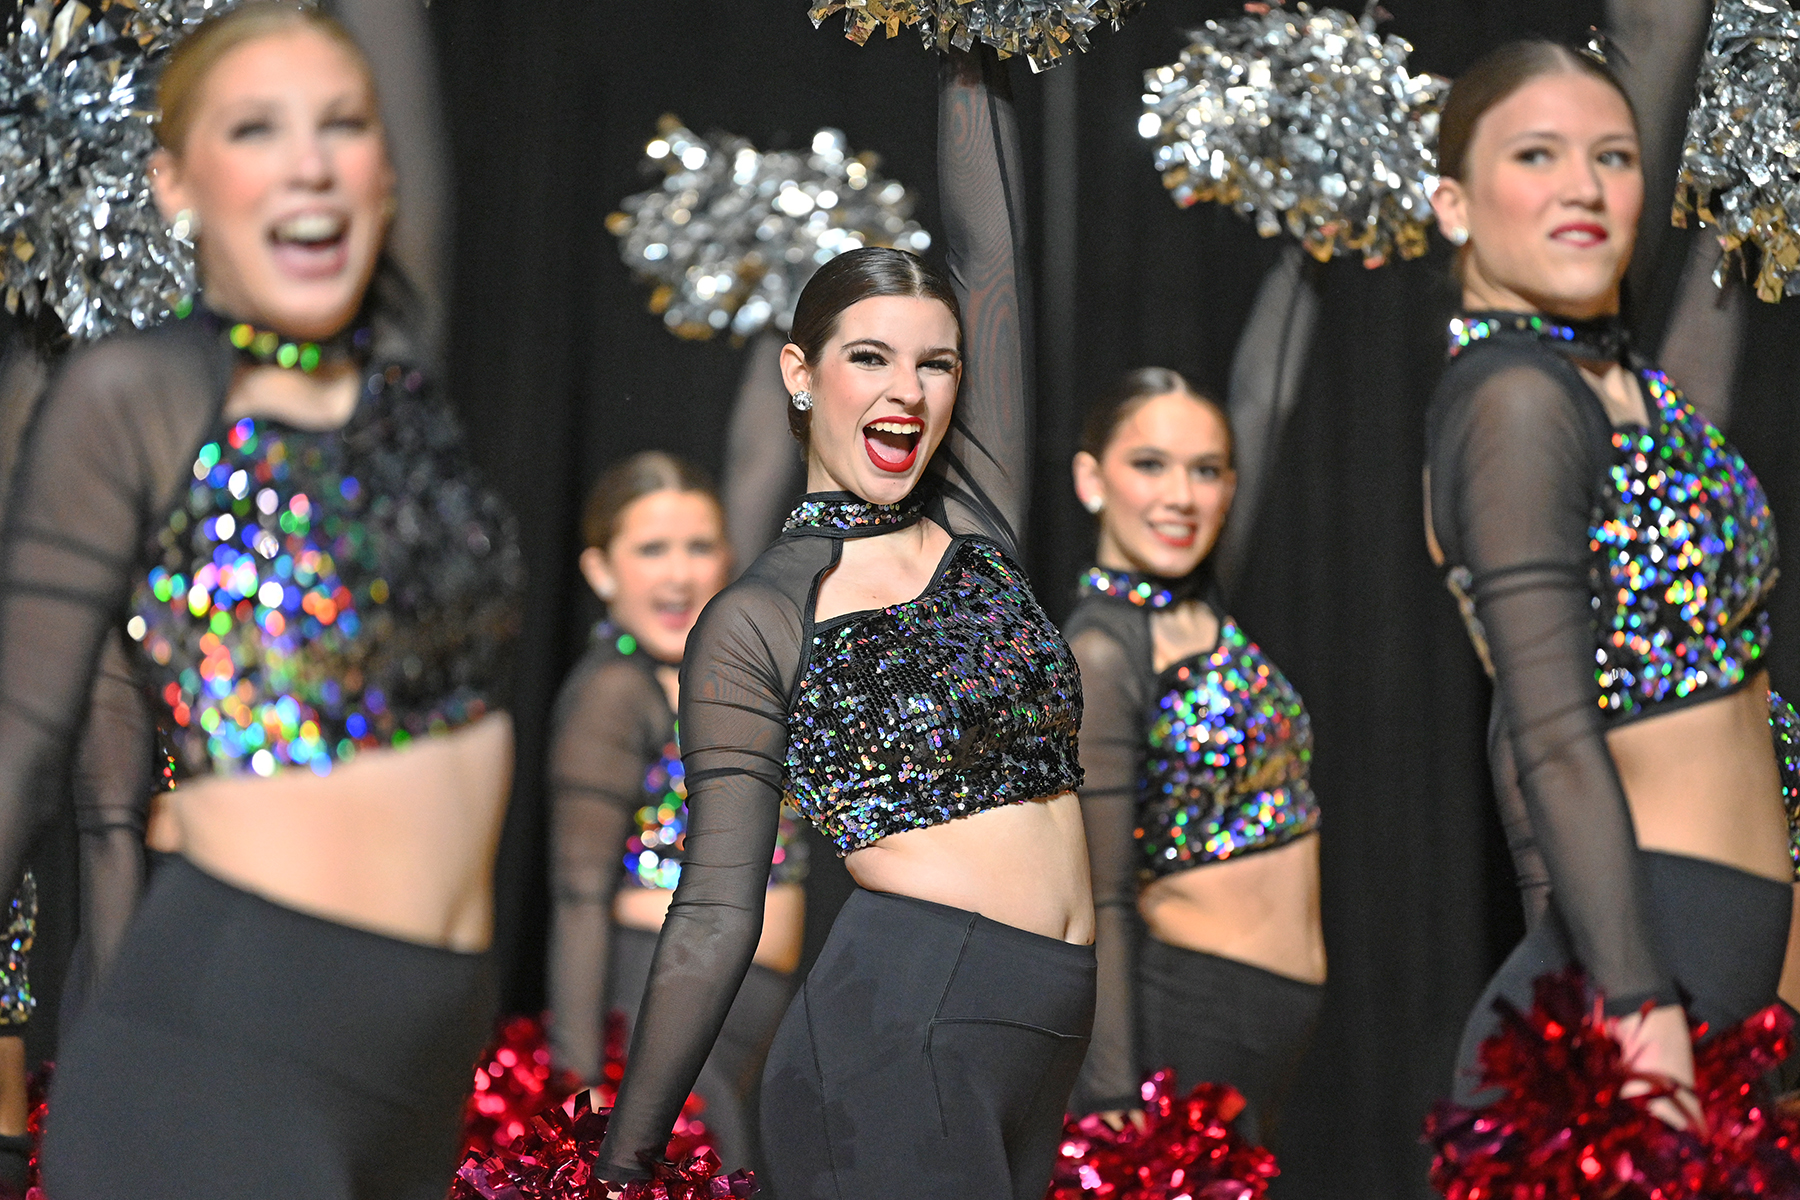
(1044, 31)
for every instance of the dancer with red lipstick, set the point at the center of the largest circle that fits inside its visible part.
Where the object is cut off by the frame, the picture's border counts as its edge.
(1612, 556)
(656, 554)
(1197, 753)
(886, 667)
(272, 500)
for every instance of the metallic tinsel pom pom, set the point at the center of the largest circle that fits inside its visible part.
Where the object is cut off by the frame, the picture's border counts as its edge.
(734, 233)
(1042, 30)
(79, 232)
(1304, 120)
(1740, 168)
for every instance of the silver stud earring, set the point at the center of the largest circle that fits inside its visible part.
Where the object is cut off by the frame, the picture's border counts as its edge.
(803, 401)
(1458, 236)
(1094, 504)
(186, 225)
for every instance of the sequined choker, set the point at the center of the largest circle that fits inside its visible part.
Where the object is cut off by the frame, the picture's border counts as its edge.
(266, 348)
(842, 512)
(1595, 341)
(1145, 591)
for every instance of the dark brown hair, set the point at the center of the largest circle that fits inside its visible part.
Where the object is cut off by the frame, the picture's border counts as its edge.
(1495, 76)
(849, 279)
(1133, 390)
(630, 481)
(179, 87)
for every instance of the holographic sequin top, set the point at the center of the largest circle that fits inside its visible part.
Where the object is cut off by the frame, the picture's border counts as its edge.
(1605, 574)
(315, 594)
(959, 701)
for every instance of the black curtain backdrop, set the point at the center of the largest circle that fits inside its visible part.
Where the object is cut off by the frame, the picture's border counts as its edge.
(559, 372)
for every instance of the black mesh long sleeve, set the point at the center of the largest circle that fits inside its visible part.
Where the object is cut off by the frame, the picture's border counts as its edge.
(113, 779)
(985, 460)
(1515, 453)
(765, 473)
(1112, 760)
(103, 456)
(610, 719)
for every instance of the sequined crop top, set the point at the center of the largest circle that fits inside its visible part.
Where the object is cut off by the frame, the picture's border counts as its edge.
(773, 701)
(1205, 760)
(314, 594)
(1605, 574)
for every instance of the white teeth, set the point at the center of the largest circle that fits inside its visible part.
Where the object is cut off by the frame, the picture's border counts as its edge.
(893, 427)
(310, 227)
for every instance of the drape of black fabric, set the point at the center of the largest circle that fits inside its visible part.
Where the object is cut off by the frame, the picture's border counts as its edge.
(559, 371)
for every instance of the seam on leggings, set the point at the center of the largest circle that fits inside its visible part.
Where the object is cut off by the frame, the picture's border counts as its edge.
(1025, 1025)
(937, 1090)
(812, 1048)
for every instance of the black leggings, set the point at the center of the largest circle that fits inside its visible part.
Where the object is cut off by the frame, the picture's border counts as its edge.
(240, 1049)
(1217, 1020)
(1722, 933)
(929, 1056)
(732, 1076)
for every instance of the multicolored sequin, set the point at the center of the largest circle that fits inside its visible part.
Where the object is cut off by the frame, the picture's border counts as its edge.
(1784, 725)
(1229, 763)
(851, 514)
(653, 852)
(1686, 547)
(959, 701)
(320, 593)
(1140, 590)
(1597, 341)
(16, 1000)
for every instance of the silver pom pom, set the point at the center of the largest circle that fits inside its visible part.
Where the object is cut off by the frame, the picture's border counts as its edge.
(79, 231)
(1740, 168)
(1304, 120)
(734, 233)
(1042, 30)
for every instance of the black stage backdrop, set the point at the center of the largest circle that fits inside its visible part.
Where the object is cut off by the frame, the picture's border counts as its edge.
(559, 371)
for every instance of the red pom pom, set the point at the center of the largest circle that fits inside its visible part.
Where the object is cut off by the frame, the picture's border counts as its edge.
(1562, 1128)
(1189, 1150)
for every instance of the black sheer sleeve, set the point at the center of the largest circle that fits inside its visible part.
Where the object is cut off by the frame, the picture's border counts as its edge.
(741, 658)
(611, 718)
(985, 460)
(1112, 761)
(114, 776)
(1515, 452)
(765, 474)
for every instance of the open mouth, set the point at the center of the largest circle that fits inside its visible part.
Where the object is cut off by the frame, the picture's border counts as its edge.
(1179, 535)
(311, 245)
(1582, 235)
(673, 614)
(893, 443)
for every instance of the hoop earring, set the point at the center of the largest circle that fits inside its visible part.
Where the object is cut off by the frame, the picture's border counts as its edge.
(186, 225)
(802, 401)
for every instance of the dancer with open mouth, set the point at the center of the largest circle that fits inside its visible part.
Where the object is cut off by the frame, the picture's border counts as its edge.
(656, 554)
(1201, 820)
(886, 667)
(271, 499)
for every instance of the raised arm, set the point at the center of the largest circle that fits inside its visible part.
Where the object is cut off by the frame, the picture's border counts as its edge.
(764, 473)
(597, 765)
(985, 460)
(734, 747)
(1512, 473)
(1112, 761)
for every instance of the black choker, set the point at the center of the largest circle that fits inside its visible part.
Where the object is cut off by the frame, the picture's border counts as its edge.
(1603, 340)
(266, 348)
(1145, 591)
(843, 512)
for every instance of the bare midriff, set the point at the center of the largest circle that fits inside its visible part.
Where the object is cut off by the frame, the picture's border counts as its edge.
(1023, 865)
(783, 929)
(398, 842)
(1702, 781)
(1261, 909)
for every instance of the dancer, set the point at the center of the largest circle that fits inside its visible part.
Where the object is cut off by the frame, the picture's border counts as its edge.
(1613, 557)
(273, 501)
(656, 553)
(1196, 752)
(886, 665)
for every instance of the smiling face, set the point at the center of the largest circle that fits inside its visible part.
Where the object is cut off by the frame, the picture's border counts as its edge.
(883, 388)
(1550, 195)
(1163, 485)
(666, 561)
(285, 169)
